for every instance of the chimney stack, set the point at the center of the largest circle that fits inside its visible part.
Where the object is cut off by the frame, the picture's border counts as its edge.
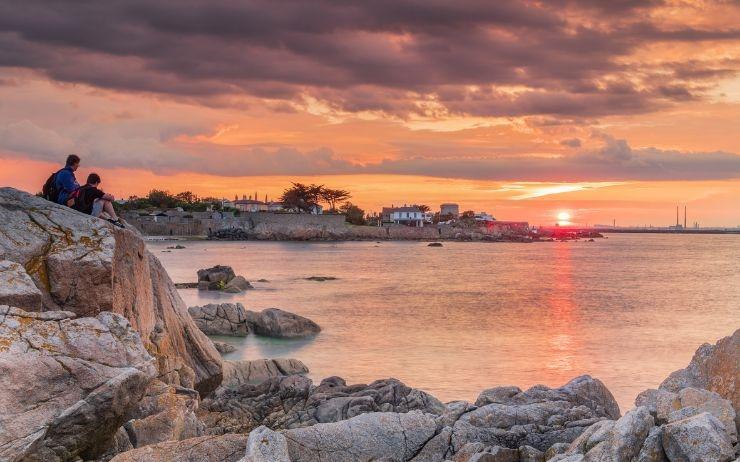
(684, 217)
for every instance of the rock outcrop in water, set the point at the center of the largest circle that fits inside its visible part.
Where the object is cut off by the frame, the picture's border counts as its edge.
(84, 265)
(221, 319)
(232, 319)
(274, 322)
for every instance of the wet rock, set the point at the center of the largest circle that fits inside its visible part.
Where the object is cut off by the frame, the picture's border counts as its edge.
(259, 370)
(224, 348)
(225, 448)
(698, 438)
(215, 278)
(237, 285)
(221, 319)
(321, 278)
(86, 265)
(67, 383)
(274, 322)
(435, 244)
(294, 401)
(17, 288)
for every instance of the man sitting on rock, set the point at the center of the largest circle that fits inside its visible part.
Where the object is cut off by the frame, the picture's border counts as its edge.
(65, 181)
(93, 201)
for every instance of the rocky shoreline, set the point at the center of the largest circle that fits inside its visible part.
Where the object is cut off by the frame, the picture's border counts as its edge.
(103, 362)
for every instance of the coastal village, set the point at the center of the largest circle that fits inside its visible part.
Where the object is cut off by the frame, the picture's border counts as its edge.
(292, 217)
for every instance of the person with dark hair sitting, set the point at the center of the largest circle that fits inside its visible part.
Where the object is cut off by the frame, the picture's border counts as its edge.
(65, 181)
(93, 201)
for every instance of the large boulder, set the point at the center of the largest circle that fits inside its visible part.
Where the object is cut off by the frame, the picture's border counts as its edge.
(619, 440)
(715, 368)
(376, 436)
(85, 265)
(256, 371)
(225, 448)
(165, 413)
(215, 278)
(274, 322)
(538, 417)
(17, 288)
(698, 438)
(67, 383)
(221, 319)
(294, 401)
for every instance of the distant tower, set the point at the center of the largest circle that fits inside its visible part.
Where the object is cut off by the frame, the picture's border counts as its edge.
(676, 216)
(684, 217)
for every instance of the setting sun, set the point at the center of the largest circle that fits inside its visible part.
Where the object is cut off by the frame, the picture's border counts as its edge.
(563, 216)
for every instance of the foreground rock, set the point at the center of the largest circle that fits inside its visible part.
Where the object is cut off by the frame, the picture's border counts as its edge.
(274, 322)
(715, 368)
(221, 319)
(17, 288)
(85, 265)
(515, 424)
(255, 371)
(226, 448)
(294, 401)
(376, 436)
(67, 383)
(165, 413)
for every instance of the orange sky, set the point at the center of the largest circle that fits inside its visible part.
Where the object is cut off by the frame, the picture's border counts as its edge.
(607, 110)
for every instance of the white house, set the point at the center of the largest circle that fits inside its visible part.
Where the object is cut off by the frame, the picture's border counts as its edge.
(483, 216)
(410, 216)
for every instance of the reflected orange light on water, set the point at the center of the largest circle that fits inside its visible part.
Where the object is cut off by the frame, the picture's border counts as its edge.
(562, 319)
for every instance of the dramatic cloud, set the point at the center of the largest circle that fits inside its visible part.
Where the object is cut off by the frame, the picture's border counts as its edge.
(402, 57)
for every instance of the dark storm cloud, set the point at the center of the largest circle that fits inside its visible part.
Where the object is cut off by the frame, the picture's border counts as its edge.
(385, 55)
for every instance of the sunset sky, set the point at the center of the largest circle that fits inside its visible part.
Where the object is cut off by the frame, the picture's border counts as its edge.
(606, 109)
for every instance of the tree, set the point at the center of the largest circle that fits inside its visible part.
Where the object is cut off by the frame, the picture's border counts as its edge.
(467, 214)
(301, 197)
(423, 208)
(332, 196)
(353, 214)
(186, 197)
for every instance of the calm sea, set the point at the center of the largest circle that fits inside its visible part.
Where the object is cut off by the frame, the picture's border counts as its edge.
(468, 316)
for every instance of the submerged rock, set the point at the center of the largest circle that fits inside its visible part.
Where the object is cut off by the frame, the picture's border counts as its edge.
(67, 383)
(224, 347)
(221, 319)
(321, 278)
(86, 265)
(274, 322)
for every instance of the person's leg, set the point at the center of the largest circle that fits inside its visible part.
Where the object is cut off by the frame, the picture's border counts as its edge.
(108, 208)
(97, 207)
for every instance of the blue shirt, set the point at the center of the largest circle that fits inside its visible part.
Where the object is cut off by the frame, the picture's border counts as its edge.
(65, 183)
